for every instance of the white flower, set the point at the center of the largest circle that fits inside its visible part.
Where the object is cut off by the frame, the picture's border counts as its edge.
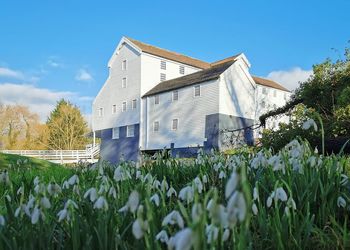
(210, 204)
(112, 192)
(138, 174)
(171, 192)
(164, 185)
(4, 178)
(53, 189)
(222, 175)
(269, 201)
(198, 184)
(275, 162)
(101, 203)
(44, 202)
(132, 203)
(212, 233)
(76, 190)
(73, 180)
(254, 209)
(182, 240)
(312, 161)
(2, 220)
(341, 202)
(226, 235)
(137, 229)
(287, 211)
(162, 236)
(291, 203)
(344, 179)
(256, 194)
(155, 199)
(172, 218)
(35, 215)
(20, 190)
(63, 214)
(36, 181)
(281, 194)
(186, 194)
(236, 207)
(310, 123)
(92, 193)
(196, 211)
(65, 185)
(121, 174)
(70, 204)
(205, 179)
(231, 184)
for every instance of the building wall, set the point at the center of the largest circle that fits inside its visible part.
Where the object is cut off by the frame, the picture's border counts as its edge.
(191, 112)
(112, 92)
(237, 91)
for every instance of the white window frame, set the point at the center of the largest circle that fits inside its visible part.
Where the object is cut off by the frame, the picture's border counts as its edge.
(154, 126)
(173, 99)
(114, 108)
(161, 77)
(194, 90)
(124, 82)
(100, 112)
(134, 104)
(115, 134)
(126, 106)
(163, 65)
(128, 130)
(124, 64)
(177, 124)
(182, 70)
(156, 97)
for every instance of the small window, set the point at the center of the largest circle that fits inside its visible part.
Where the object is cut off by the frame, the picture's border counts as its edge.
(133, 104)
(130, 131)
(182, 70)
(175, 124)
(124, 107)
(100, 112)
(124, 83)
(124, 65)
(274, 93)
(115, 133)
(162, 77)
(175, 95)
(197, 90)
(264, 91)
(114, 109)
(156, 126)
(162, 64)
(156, 99)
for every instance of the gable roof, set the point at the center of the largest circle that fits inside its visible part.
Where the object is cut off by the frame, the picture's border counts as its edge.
(153, 50)
(269, 83)
(204, 75)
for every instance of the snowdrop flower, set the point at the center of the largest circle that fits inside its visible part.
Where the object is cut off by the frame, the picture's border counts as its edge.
(36, 180)
(258, 160)
(212, 233)
(73, 180)
(101, 203)
(4, 178)
(312, 161)
(287, 211)
(219, 215)
(269, 201)
(138, 174)
(275, 162)
(121, 174)
(173, 218)
(63, 214)
(156, 184)
(218, 166)
(132, 203)
(281, 194)
(210, 204)
(231, 184)
(35, 215)
(65, 185)
(341, 202)
(138, 228)
(256, 194)
(171, 192)
(53, 189)
(254, 209)
(164, 185)
(226, 235)
(148, 177)
(222, 175)
(20, 191)
(91, 193)
(155, 199)
(162, 236)
(76, 190)
(2, 220)
(183, 240)
(310, 123)
(291, 203)
(186, 194)
(196, 211)
(112, 192)
(198, 184)
(45, 203)
(344, 179)
(205, 179)
(236, 207)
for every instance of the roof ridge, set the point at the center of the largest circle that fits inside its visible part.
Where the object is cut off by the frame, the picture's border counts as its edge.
(227, 59)
(269, 83)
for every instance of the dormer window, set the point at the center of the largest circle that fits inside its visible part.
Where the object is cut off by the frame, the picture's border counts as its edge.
(124, 65)
(163, 65)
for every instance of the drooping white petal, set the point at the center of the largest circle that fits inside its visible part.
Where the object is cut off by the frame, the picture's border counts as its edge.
(133, 201)
(162, 236)
(254, 209)
(2, 220)
(281, 194)
(155, 199)
(226, 235)
(341, 202)
(183, 240)
(171, 192)
(231, 184)
(35, 215)
(44, 202)
(137, 229)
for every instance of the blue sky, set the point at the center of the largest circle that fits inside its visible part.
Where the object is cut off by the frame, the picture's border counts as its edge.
(53, 49)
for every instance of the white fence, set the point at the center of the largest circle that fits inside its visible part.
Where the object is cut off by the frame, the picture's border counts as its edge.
(61, 156)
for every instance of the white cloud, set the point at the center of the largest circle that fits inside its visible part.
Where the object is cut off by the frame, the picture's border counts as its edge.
(290, 78)
(53, 63)
(84, 75)
(10, 73)
(39, 100)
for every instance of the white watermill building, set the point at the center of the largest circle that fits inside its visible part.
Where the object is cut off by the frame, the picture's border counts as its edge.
(155, 99)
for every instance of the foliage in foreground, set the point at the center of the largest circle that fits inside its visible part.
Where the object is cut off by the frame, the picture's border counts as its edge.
(293, 199)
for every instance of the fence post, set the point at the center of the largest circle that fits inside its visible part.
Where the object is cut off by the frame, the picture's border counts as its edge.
(61, 157)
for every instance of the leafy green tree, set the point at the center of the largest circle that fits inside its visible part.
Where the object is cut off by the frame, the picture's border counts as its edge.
(66, 126)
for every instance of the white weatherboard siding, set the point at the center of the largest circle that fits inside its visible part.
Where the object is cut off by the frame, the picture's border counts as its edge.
(191, 112)
(112, 92)
(237, 91)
